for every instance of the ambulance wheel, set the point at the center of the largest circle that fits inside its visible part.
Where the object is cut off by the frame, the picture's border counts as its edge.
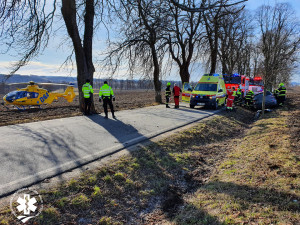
(216, 106)
(192, 106)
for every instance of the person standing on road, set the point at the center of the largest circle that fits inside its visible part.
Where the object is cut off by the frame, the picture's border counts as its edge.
(176, 93)
(106, 93)
(87, 91)
(168, 94)
(280, 94)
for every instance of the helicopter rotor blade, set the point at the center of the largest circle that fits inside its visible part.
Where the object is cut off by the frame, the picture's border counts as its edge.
(23, 83)
(54, 84)
(45, 84)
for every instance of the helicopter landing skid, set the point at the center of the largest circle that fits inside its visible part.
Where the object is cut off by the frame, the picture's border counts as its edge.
(21, 109)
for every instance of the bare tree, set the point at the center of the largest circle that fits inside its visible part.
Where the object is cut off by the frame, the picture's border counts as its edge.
(205, 5)
(26, 27)
(139, 44)
(184, 37)
(83, 48)
(280, 40)
(235, 42)
(212, 18)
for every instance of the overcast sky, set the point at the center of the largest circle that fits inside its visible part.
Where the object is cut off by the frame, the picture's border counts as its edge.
(48, 63)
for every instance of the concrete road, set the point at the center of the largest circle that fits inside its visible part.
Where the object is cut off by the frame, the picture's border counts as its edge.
(32, 152)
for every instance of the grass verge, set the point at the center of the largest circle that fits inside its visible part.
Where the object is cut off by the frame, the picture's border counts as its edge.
(259, 180)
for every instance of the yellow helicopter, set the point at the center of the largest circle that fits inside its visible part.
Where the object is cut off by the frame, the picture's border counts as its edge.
(32, 95)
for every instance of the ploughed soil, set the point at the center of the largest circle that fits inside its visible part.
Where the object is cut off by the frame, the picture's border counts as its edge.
(125, 99)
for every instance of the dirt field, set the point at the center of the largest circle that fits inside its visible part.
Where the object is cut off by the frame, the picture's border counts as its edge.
(61, 108)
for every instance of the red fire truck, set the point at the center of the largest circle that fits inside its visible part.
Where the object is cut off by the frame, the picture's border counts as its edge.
(256, 85)
(237, 81)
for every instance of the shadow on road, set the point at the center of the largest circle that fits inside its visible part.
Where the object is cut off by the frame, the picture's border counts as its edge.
(53, 147)
(118, 129)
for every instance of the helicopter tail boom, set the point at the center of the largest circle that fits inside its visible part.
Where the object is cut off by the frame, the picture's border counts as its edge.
(69, 94)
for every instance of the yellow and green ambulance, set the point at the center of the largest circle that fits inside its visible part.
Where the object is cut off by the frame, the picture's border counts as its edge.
(210, 91)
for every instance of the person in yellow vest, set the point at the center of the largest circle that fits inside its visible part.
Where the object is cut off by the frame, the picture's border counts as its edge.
(87, 91)
(280, 94)
(107, 94)
(238, 98)
(168, 94)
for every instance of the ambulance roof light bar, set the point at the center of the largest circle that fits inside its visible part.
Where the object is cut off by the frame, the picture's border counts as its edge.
(212, 74)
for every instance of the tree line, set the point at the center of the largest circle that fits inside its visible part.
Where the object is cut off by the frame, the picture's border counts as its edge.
(157, 36)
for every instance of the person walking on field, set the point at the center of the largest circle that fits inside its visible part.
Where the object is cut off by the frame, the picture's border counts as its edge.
(106, 93)
(168, 94)
(87, 91)
(176, 93)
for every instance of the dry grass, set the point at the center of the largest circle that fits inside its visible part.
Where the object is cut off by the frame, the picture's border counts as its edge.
(259, 181)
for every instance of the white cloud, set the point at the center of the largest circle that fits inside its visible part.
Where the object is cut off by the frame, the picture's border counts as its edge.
(37, 68)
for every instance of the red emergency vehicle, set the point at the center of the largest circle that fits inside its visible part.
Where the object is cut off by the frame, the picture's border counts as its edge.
(256, 85)
(237, 81)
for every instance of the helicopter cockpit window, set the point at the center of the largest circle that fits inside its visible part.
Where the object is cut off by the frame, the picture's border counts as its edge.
(21, 94)
(11, 96)
(32, 95)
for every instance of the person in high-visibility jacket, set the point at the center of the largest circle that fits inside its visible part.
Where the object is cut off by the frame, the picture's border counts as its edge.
(87, 91)
(238, 97)
(107, 94)
(176, 93)
(281, 94)
(249, 98)
(168, 94)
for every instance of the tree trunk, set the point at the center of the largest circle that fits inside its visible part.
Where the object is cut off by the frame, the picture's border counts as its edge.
(83, 54)
(224, 67)
(213, 62)
(214, 51)
(184, 73)
(157, 83)
(263, 103)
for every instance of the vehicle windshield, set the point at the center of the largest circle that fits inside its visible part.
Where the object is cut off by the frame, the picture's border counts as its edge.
(205, 87)
(232, 79)
(11, 96)
(256, 82)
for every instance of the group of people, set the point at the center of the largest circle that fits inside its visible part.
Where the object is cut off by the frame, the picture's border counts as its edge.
(176, 93)
(237, 96)
(106, 94)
